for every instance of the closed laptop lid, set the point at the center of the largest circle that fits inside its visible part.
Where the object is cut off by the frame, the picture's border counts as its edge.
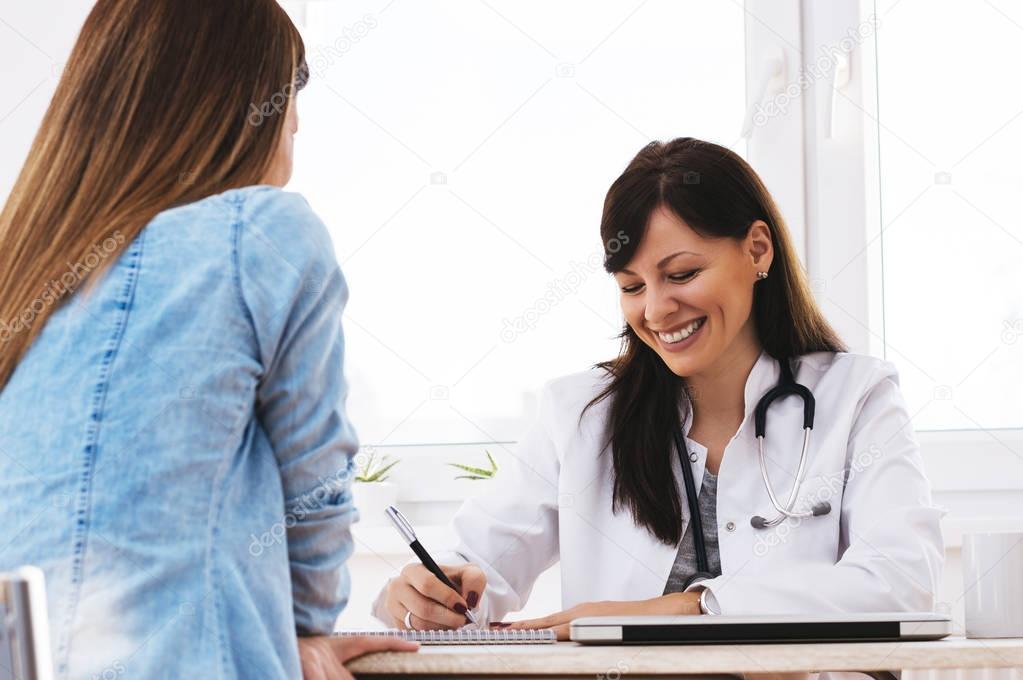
(761, 628)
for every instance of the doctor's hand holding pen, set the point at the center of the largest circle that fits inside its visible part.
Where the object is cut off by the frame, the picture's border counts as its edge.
(428, 596)
(419, 600)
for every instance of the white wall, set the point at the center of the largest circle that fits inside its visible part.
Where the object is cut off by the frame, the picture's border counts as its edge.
(35, 40)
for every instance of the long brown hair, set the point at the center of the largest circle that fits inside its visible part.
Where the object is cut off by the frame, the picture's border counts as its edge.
(162, 102)
(719, 195)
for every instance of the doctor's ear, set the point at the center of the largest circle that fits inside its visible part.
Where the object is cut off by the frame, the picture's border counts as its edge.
(758, 246)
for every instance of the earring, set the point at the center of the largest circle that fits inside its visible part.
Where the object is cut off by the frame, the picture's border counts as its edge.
(761, 275)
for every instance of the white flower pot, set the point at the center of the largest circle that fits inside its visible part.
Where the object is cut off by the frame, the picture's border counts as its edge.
(371, 500)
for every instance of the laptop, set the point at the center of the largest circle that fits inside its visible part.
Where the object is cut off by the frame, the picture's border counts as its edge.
(704, 630)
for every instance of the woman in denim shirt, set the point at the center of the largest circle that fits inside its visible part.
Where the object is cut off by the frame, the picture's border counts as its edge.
(174, 450)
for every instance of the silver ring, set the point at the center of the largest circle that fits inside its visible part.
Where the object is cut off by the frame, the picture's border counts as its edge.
(408, 620)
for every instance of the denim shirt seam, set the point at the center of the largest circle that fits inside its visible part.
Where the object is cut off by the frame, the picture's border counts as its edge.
(213, 578)
(80, 531)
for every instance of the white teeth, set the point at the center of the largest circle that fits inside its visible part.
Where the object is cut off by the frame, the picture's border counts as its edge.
(682, 333)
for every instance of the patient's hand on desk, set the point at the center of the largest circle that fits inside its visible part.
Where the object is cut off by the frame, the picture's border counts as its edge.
(673, 604)
(323, 657)
(433, 605)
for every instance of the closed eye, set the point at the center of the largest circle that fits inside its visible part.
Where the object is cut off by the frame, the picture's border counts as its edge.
(679, 278)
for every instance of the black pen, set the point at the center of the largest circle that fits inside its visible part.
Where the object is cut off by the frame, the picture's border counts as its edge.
(409, 534)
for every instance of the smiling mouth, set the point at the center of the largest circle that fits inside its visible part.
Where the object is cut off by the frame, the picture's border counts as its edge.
(682, 333)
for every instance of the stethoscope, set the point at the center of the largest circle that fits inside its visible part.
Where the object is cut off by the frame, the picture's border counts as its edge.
(786, 387)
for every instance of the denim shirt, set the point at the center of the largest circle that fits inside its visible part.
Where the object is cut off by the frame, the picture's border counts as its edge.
(174, 449)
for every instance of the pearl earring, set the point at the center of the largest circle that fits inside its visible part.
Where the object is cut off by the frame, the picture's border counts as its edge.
(761, 275)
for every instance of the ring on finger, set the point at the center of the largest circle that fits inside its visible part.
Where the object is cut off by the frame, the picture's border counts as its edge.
(408, 620)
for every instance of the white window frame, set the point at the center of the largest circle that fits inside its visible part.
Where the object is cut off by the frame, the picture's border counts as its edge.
(968, 468)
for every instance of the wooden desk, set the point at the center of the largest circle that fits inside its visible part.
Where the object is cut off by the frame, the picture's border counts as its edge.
(567, 659)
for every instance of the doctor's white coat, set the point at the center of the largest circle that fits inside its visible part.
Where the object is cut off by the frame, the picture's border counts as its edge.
(879, 550)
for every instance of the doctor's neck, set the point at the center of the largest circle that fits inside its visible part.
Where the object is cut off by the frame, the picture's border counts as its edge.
(718, 391)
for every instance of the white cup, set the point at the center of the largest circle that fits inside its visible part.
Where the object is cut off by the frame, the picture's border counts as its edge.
(993, 584)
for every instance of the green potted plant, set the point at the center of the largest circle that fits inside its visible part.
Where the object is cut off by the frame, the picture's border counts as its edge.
(372, 492)
(477, 473)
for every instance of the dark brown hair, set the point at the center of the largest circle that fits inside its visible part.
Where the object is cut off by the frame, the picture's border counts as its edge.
(162, 102)
(719, 195)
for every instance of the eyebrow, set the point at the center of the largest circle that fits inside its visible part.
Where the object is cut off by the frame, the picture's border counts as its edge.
(664, 261)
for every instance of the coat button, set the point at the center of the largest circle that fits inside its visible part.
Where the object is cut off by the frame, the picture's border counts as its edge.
(693, 457)
(730, 526)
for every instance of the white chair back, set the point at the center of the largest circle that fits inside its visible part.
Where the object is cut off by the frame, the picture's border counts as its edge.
(24, 627)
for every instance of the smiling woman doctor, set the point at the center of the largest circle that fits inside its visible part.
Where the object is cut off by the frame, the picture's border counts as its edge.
(717, 312)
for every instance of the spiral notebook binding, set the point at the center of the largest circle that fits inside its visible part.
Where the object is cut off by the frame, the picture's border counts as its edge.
(461, 637)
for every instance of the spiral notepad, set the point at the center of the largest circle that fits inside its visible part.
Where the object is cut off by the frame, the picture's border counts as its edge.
(464, 636)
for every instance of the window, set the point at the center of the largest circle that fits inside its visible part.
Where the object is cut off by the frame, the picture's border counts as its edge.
(951, 130)
(460, 152)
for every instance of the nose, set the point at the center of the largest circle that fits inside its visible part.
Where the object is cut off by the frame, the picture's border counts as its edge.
(660, 304)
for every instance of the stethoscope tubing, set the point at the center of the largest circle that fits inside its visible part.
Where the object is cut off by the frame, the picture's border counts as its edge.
(699, 541)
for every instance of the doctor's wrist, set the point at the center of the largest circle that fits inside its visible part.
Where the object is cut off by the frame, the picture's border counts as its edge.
(680, 603)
